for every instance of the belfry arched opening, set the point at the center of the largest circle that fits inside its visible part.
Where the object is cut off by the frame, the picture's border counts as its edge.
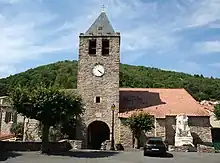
(98, 132)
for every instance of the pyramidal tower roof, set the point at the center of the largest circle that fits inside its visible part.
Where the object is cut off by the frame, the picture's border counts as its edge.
(101, 26)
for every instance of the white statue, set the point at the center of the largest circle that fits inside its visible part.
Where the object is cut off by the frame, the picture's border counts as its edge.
(183, 134)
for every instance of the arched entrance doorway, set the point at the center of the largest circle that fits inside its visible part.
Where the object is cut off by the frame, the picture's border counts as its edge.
(98, 132)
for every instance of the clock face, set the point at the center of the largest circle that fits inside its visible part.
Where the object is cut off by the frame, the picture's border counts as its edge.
(98, 70)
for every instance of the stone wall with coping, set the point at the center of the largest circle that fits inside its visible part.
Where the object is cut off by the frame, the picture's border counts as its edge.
(34, 146)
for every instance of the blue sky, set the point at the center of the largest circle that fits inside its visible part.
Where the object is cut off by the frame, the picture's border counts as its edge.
(178, 35)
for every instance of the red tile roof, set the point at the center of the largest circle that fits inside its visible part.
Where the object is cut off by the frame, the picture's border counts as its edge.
(4, 136)
(159, 102)
(209, 105)
(209, 108)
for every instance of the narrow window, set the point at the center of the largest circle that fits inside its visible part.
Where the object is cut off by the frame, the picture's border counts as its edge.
(97, 99)
(92, 47)
(8, 117)
(105, 47)
(100, 28)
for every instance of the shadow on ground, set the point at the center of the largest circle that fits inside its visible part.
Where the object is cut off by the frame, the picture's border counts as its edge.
(85, 154)
(7, 155)
(168, 155)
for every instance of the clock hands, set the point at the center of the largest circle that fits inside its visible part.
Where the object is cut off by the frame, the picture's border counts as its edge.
(100, 71)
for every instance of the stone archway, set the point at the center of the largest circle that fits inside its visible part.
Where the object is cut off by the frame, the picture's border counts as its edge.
(98, 132)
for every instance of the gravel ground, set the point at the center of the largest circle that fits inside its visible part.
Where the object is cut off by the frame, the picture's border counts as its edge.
(107, 157)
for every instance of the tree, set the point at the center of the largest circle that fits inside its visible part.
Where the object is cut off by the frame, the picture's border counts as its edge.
(139, 122)
(48, 105)
(55, 133)
(63, 74)
(17, 129)
(217, 111)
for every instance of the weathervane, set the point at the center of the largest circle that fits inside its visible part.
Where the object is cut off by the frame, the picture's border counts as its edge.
(103, 8)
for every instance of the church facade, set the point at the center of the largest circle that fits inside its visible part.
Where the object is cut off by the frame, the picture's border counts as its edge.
(98, 84)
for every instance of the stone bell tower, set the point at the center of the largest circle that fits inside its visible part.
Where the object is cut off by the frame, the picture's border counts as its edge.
(98, 81)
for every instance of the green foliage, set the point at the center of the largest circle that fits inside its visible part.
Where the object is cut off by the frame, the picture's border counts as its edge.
(55, 133)
(64, 130)
(17, 129)
(50, 106)
(140, 122)
(63, 75)
(217, 111)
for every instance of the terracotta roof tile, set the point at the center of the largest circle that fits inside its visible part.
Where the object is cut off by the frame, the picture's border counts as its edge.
(4, 136)
(209, 108)
(159, 102)
(209, 105)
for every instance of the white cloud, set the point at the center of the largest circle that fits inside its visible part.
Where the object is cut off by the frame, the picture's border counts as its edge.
(144, 26)
(19, 41)
(208, 47)
(200, 13)
(27, 36)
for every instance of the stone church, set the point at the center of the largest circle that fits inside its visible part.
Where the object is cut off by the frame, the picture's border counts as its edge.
(98, 84)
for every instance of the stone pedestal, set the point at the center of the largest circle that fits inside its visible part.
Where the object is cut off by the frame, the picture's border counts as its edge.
(180, 141)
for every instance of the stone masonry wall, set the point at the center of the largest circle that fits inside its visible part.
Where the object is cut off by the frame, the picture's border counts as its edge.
(213, 121)
(126, 138)
(200, 129)
(6, 126)
(106, 87)
(199, 126)
(170, 123)
(31, 130)
(160, 128)
(30, 125)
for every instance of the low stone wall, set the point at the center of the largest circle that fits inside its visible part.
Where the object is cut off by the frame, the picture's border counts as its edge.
(200, 148)
(182, 149)
(205, 149)
(34, 146)
(76, 144)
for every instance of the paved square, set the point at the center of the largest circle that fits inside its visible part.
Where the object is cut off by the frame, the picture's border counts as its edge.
(109, 157)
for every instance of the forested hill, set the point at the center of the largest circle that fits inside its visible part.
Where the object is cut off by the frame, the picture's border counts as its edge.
(63, 75)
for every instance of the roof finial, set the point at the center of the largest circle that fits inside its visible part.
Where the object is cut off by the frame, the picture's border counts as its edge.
(103, 8)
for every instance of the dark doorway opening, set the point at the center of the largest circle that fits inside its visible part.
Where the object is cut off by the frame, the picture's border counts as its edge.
(98, 132)
(216, 138)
